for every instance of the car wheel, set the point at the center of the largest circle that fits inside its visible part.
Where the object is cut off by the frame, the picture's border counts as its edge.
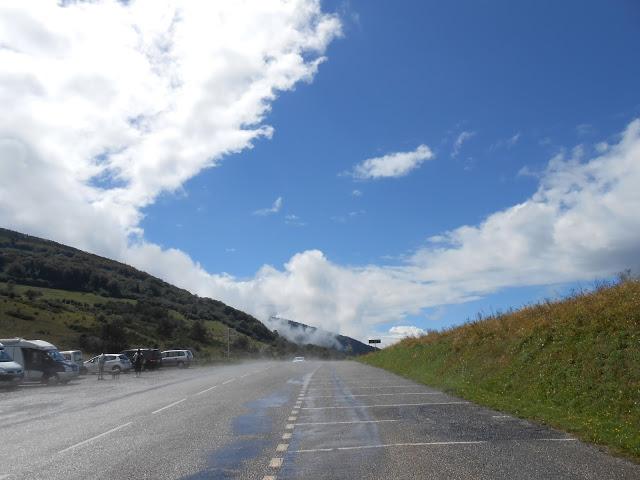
(180, 365)
(116, 369)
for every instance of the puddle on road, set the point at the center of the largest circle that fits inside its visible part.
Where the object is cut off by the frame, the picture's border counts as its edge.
(227, 462)
(258, 421)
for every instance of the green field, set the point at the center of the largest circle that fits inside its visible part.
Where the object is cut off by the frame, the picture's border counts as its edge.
(62, 317)
(572, 364)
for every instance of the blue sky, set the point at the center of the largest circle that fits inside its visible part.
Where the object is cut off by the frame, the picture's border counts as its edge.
(550, 74)
(236, 179)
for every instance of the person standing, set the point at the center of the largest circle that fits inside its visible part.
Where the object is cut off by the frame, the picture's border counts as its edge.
(101, 361)
(138, 361)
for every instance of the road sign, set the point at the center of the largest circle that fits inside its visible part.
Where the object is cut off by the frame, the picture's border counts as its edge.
(375, 340)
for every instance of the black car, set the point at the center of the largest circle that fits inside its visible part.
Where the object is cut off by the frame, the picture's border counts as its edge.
(152, 357)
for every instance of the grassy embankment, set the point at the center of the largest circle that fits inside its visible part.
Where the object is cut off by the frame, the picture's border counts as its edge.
(572, 364)
(62, 316)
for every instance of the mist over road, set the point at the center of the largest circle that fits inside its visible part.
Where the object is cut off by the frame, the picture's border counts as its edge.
(278, 420)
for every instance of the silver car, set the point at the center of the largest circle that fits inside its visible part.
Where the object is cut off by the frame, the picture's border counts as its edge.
(113, 362)
(177, 358)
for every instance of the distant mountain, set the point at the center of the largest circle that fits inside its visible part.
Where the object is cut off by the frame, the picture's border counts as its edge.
(302, 334)
(81, 300)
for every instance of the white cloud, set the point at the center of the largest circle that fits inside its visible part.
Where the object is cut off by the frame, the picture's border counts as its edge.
(461, 139)
(107, 104)
(295, 220)
(275, 208)
(506, 142)
(396, 164)
(579, 225)
(356, 193)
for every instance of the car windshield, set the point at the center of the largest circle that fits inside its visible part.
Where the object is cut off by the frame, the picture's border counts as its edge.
(5, 357)
(56, 355)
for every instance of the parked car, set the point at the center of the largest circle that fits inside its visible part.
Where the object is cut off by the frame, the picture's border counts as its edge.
(11, 373)
(41, 361)
(152, 357)
(177, 358)
(75, 356)
(298, 359)
(113, 362)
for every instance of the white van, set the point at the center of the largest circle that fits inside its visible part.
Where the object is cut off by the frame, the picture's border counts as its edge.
(41, 361)
(11, 373)
(75, 356)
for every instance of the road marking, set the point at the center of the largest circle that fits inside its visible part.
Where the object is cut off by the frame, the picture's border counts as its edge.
(289, 426)
(377, 394)
(391, 405)
(295, 411)
(359, 385)
(6, 475)
(275, 462)
(387, 445)
(269, 477)
(95, 438)
(500, 416)
(376, 387)
(282, 447)
(207, 390)
(341, 423)
(168, 406)
(228, 381)
(292, 419)
(556, 439)
(286, 436)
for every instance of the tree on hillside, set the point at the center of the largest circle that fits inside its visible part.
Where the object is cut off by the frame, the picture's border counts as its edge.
(199, 332)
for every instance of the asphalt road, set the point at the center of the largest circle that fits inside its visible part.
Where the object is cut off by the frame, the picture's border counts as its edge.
(278, 420)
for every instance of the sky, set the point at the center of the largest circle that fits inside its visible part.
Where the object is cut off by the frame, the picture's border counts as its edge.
(372, 168)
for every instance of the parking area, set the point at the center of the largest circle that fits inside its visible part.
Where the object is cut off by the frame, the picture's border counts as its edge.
(367, 423)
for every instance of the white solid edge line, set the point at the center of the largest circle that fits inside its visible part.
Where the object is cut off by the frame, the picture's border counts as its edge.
(391, 405)
(375, 394)
(94, 438)
(343, 423)
(168, 406)
(387, 445)
(362, 385)
(207, 390)
(356, 387)
(228, 381)
(555, 439)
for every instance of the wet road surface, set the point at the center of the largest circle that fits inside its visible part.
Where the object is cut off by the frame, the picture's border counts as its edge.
(278, 420)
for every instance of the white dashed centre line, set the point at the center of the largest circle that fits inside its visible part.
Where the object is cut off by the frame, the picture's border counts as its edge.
(207, 390)
(275, 462)
(95, 438)
(168, 406)
(282, 447)
(228, 381)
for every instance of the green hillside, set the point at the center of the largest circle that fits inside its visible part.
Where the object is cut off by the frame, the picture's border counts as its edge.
(573, 364)
(82, 301)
